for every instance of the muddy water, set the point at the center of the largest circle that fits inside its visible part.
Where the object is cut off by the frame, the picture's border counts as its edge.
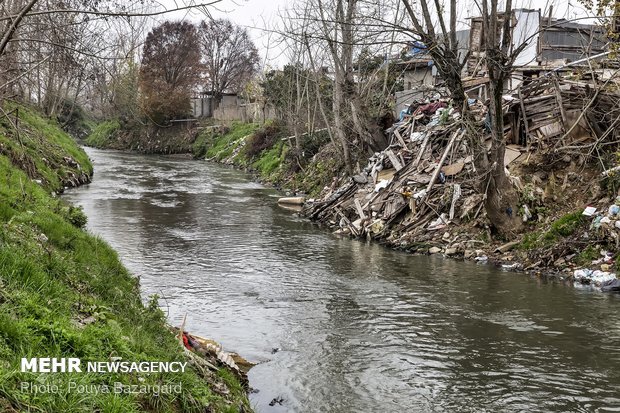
(341, 326)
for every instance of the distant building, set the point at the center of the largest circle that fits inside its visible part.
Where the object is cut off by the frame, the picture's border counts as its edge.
(204, 105)
(231, 107)
(550, 43)
(417, 73)
(547, 44)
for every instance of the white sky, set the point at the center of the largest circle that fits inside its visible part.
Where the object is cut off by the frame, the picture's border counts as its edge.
(258, 15)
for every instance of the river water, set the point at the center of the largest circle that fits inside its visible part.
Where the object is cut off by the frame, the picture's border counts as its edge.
(357, 327)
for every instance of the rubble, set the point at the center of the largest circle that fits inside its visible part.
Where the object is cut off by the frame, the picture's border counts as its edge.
(422, 193)
(423, 170)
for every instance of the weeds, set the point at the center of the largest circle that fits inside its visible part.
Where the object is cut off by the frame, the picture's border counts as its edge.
(103, 134)
(64, 293)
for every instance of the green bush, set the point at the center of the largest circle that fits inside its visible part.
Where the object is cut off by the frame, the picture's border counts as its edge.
(72, 119)
(104, 134)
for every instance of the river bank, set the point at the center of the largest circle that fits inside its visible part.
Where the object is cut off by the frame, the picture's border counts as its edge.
(559, 242)
(64, 292)
(339, 324)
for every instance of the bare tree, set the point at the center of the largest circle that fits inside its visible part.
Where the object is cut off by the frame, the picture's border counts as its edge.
(332, 34)
(500, 196)
(229, 56)
(56, 52)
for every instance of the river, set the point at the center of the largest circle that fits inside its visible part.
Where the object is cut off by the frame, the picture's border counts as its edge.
(339, 325)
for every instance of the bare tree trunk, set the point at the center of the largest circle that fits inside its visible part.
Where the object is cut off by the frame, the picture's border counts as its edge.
(501, 202)
(319, 98)
(339, 125)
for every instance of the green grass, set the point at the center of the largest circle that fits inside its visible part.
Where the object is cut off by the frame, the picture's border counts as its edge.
(262, 150)
(270, 160)
(586, 256)
(221, 146)
(567, 224)
(317, 175)
(41, 149)
(64, 293)
(560, 228)
(103, 134)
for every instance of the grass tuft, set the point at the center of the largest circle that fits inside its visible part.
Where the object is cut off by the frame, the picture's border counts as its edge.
(64, 292)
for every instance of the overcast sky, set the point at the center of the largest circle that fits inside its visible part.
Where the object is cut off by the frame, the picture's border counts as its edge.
(256, 15)
(259, 15)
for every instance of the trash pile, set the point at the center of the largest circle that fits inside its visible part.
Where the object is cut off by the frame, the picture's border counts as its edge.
(415, 188)
(422, 193)
(607, 225)
(208, 357)
(565, 113)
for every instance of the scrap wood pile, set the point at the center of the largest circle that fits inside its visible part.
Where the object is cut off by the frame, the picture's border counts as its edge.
(554, 113)
(426, 180)
(414, 188)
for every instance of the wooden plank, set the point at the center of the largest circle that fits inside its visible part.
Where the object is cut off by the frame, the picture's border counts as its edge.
(525, 121)
(443, 159)
(510, 155)
(395, 162)
(400, 138)
(558, 97)
(422, 148)
(358, 207)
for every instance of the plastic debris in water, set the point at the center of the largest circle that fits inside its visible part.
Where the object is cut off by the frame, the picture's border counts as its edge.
(588, 276)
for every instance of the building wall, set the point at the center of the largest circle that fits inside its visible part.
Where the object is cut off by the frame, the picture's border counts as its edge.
(418, 76)
(229, 101)
(526, 31)
(201, 107)
(565, 41)
(406, 98)
(248, 112)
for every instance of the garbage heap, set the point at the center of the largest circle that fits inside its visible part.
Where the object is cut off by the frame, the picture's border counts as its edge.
(421, 193)
(604, 226)
(415, 188)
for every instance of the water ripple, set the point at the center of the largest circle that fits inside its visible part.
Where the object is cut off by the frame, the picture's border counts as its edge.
(359, 328)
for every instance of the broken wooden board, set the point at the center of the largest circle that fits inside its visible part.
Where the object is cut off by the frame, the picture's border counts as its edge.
(453, 169)
(395, 161)
(386, 174)
(418, 179)
(510, 155)
(359, 209)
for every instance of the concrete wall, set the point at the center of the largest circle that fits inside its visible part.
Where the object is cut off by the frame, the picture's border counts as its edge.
(201, 107)
(418, 76)
(231, 108)
(248, 112)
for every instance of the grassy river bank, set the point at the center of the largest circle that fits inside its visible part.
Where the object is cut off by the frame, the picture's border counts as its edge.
(64, 293)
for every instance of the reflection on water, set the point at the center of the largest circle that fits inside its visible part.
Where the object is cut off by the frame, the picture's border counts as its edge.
(359, 328)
